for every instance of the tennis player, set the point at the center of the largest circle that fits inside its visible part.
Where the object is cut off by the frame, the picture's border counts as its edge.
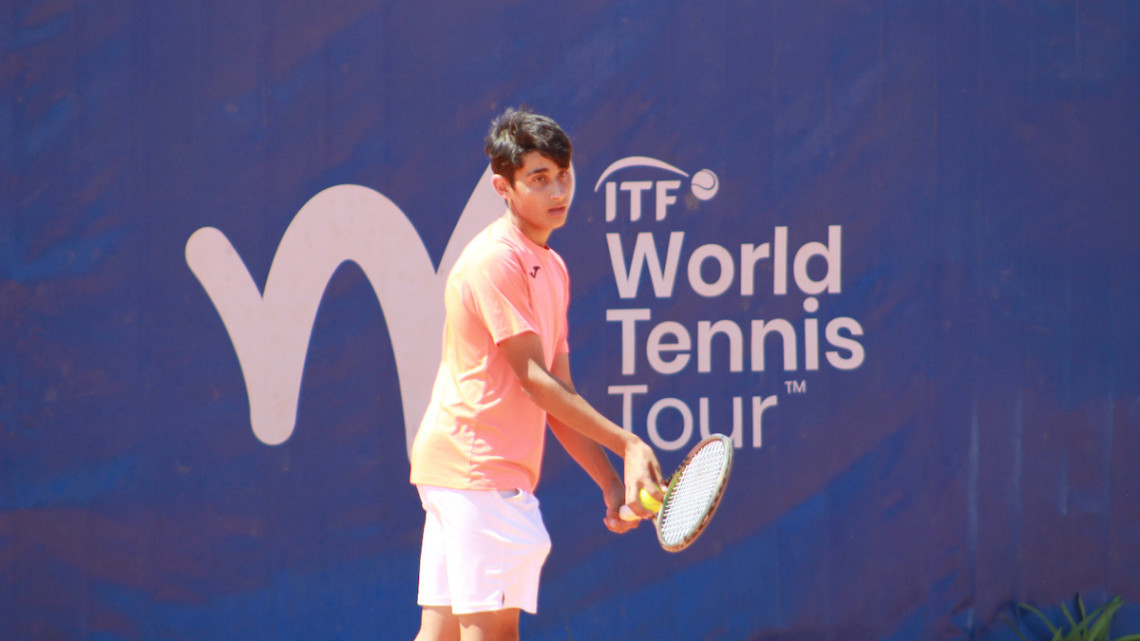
(505, 375)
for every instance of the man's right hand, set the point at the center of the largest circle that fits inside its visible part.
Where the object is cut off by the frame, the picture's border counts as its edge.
(641, 471)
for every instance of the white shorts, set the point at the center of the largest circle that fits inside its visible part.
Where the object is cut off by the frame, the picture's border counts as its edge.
(482, 551)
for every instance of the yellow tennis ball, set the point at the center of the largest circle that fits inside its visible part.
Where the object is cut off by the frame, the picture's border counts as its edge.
(650, 503)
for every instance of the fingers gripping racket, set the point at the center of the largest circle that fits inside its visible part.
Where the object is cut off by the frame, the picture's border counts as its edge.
(693, 494)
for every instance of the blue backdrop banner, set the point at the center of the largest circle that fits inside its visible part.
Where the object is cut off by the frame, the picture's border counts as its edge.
(889, 248)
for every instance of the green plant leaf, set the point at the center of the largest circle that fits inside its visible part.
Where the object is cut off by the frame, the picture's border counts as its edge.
(1076, 631)
(1101, 619)
(1091, 626)
(1052, 628)
(1099, 629)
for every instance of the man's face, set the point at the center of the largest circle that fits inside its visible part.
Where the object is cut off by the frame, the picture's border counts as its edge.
(540, 196)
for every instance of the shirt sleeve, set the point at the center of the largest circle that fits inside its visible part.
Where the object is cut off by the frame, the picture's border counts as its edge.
(499, 295)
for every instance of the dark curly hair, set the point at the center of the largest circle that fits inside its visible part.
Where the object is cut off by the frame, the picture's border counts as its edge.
(516, 132)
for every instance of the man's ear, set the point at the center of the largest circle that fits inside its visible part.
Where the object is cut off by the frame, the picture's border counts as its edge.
(501, 184)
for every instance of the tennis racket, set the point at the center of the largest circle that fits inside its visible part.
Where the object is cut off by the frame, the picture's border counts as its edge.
(692, 496)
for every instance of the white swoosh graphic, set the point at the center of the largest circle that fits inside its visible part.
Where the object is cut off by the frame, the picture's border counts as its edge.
(637, 161)
(271, 330)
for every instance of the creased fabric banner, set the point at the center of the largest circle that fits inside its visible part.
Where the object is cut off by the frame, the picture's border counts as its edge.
(889, 248)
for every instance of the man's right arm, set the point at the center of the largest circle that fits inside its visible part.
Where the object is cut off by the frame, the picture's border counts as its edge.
(524, 353)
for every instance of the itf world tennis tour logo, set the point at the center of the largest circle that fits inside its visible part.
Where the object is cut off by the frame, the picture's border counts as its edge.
(674, 267)
(271, 328)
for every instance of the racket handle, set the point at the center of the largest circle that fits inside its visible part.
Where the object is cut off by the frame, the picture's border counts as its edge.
(647, 501)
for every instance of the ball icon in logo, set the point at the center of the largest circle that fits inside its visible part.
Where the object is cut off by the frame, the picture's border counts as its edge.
(705, 184)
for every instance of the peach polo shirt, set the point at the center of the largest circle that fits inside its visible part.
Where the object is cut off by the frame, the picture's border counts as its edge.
(481, 431)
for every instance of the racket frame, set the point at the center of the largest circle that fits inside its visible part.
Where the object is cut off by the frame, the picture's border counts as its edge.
(722, 483)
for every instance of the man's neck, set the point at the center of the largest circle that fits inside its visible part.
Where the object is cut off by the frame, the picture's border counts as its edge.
(537, 236)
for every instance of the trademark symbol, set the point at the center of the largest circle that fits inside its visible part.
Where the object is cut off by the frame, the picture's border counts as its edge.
(796, 387)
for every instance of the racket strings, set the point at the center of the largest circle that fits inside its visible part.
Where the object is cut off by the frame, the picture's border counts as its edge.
(696, 489)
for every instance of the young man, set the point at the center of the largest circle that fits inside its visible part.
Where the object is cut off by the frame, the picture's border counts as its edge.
(505, 375)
